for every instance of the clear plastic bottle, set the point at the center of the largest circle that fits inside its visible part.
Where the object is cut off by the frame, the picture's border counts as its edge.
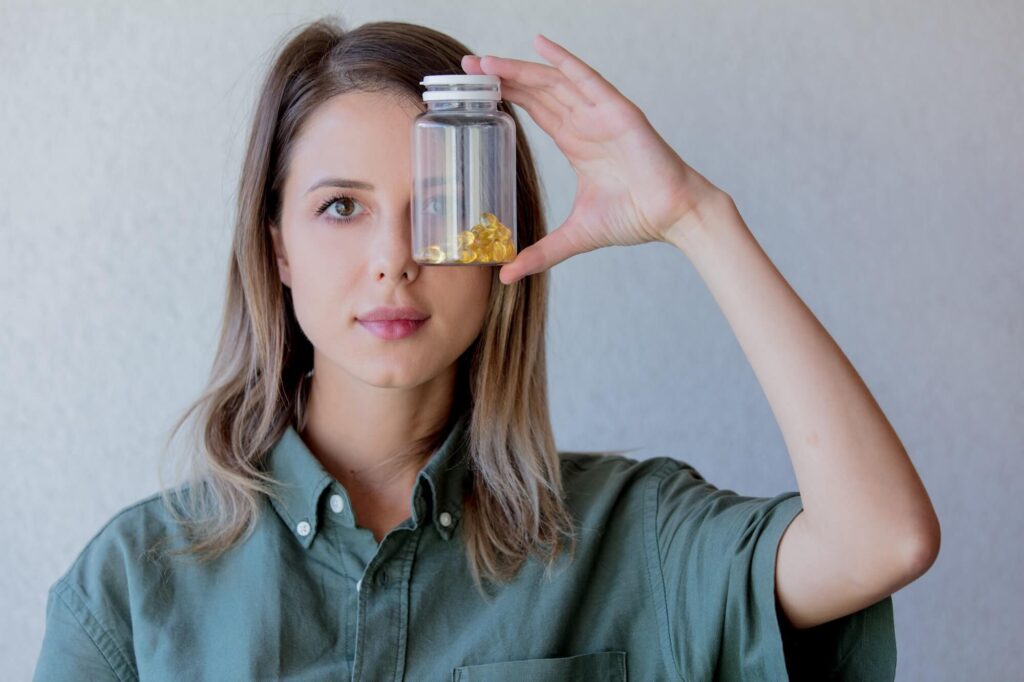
(464, 174)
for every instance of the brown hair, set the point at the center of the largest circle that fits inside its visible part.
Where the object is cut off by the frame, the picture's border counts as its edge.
(258, 380)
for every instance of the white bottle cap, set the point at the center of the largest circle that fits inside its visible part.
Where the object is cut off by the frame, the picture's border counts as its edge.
(470, 87)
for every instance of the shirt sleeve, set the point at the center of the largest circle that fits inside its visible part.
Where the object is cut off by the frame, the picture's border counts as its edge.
(716, 552)
(75, 646)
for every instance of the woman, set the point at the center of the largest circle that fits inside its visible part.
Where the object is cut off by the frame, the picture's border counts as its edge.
(369, 507)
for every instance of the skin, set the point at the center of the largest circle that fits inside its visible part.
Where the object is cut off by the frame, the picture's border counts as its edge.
(867, 527)
(370, 397)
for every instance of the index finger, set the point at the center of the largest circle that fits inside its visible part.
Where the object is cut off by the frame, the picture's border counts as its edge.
(537, 76)
(591, 83)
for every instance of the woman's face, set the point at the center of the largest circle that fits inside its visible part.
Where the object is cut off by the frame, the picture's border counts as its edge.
(344, 251)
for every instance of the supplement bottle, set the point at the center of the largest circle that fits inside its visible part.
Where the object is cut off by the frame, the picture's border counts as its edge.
(464, 174)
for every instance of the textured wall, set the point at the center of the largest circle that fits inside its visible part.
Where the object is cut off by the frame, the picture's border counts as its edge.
(874, 148)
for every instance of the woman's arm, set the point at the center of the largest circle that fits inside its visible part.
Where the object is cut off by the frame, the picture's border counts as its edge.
(868, 527)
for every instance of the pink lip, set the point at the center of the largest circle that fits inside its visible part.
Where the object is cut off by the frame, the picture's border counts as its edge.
(392, 329)
(393, 313)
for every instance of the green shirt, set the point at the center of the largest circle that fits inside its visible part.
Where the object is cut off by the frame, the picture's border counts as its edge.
(673, 579)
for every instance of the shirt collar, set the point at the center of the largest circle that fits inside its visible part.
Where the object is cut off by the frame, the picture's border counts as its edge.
(300, 481)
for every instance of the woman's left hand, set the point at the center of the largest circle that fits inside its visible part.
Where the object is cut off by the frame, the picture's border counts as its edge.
(631, 186)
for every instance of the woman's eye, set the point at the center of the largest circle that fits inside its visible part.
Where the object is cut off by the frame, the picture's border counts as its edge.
(440, 207)
(346, 206)
(341, 208)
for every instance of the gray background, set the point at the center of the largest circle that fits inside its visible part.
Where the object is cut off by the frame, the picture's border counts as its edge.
(874, 148)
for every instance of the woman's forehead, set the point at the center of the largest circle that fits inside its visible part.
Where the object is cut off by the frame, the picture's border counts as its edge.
(357, 115)
(358, 135)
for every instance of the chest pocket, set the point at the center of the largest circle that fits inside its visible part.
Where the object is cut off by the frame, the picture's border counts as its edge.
(599, 666)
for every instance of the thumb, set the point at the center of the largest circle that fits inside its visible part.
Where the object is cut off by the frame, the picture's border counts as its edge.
(543, 254)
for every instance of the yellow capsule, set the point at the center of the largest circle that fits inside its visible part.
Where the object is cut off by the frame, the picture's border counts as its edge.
(466, 238)
(467, 256)
(433, 254)
(498, 251)
(504, 232)
(491, 219)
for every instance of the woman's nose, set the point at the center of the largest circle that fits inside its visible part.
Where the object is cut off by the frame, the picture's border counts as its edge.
(393, 243)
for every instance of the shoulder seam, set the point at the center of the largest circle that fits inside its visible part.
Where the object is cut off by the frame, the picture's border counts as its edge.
(656, 573)
(59, 591)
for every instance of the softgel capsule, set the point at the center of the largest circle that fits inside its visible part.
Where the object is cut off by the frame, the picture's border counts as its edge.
(464, 174)
(488, 242)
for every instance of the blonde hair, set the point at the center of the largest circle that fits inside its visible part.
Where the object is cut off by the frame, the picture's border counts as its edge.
(258, 382)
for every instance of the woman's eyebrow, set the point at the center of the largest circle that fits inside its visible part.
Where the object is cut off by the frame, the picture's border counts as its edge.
(340, 182)
(359, 184)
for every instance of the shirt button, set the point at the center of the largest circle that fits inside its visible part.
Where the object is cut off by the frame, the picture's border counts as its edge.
(303, 528)
(337, 504)
(446, 519)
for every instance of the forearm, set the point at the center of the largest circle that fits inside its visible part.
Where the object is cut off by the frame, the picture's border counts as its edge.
(858, 486)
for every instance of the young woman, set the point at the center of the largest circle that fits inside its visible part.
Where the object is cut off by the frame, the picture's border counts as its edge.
(373, 505)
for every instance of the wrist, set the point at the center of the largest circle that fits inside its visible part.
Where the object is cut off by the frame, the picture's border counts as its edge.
(703, 225)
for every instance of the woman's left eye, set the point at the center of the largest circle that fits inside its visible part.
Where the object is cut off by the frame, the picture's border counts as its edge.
(343, 217)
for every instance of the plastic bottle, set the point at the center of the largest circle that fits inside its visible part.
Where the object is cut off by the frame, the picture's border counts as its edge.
(464, 174)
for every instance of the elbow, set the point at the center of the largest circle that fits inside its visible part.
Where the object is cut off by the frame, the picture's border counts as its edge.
(921, 548)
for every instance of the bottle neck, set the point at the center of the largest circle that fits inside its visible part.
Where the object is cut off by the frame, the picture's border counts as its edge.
(462, 105)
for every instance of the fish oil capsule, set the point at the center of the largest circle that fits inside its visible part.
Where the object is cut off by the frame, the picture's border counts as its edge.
(464, 172)
(434, 254)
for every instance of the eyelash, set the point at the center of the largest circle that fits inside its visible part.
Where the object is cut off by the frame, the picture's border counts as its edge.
(327, 204)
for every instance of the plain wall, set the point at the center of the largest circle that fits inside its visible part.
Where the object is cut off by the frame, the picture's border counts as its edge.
(874, 149)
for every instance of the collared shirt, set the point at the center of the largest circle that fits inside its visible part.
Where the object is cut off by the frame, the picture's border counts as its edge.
(673, 579)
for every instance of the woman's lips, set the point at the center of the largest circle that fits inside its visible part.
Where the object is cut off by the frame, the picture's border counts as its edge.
(392, 329)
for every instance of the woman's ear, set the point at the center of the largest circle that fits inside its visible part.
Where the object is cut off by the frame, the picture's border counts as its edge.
(281, 255)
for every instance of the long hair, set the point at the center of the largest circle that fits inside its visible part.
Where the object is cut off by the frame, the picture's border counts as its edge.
(258, 382)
